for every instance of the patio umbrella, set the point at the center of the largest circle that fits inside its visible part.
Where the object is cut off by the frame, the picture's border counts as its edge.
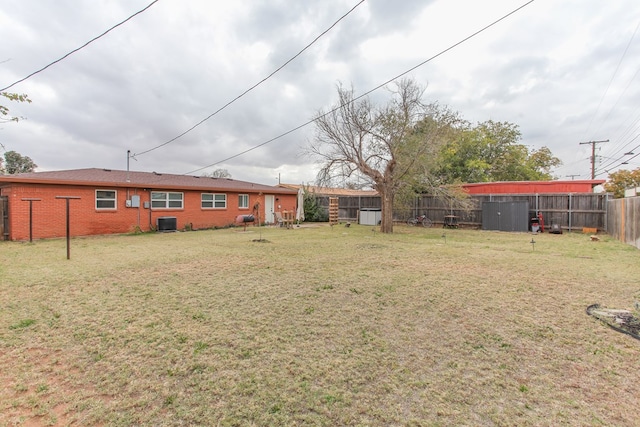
(300, 209)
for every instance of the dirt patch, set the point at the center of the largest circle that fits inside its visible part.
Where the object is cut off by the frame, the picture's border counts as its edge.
(43, 393)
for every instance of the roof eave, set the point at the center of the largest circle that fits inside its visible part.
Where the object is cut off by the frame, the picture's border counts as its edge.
(150, 186)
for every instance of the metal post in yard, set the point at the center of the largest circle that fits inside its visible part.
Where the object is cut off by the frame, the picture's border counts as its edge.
(606, 211)
(570, 209)
(31, 200)
(67, 198)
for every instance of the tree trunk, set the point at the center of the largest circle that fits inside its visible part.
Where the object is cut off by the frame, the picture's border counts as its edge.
(386, 197)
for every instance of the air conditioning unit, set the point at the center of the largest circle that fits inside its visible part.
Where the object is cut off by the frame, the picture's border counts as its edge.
(167, 223)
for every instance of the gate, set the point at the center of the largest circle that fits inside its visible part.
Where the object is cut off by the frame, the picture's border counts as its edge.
(4, 217)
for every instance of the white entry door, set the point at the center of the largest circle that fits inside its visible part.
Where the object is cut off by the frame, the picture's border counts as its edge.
(269, 203)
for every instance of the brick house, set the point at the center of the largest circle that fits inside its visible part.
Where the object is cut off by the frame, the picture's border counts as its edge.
(114, 201)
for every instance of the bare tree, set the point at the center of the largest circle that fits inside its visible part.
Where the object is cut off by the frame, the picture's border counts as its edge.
(387, 145)
(218, 173)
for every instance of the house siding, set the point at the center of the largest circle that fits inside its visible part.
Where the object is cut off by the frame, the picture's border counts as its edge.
(49, 214)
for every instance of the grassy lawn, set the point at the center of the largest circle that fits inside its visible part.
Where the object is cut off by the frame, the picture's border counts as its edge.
(317, 326)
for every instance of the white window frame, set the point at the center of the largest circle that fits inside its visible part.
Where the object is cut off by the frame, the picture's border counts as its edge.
(113, 199)
(243, 198)
(169, 201)
(213, 201)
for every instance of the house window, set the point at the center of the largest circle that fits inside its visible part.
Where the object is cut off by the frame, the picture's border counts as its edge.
(166, 200)
(217, 201)
(105, 199)
(243, 201)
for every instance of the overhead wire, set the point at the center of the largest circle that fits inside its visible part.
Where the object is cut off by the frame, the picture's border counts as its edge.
(619, 146)
(618, 157)
(615, 72)
(617, 162)
(252, 87)
(79, 48)
(624, 91)
(630, 128)
(624, 138)
(442, 52)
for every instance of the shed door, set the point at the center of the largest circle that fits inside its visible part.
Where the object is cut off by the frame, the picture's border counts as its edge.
(505, 216)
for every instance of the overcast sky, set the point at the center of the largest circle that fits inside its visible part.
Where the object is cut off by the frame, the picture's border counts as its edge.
(564, 71)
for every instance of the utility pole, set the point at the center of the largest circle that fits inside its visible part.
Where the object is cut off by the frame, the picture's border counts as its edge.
(593, 155)
(572, 176)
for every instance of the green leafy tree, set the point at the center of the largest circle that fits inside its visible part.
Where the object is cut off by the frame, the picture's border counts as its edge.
(491, 152)
(380, 143)
(16, 163)
(441, 126)
(541, 162)
(313, 212)
(621, 180)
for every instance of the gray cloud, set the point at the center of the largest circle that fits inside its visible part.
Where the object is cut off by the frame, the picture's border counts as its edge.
(546, 69)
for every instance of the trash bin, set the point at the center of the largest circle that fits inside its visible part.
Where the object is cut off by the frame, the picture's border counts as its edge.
(535, 224)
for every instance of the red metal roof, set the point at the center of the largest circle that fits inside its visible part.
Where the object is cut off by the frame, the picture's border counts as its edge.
(532, 187)
(132, 179)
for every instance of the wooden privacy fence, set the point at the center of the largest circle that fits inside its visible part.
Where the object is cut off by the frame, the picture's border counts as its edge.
(623, 220)
(570, 211)
(349, 206)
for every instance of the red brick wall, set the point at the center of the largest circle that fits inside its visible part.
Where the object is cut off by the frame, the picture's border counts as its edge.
(49, 214)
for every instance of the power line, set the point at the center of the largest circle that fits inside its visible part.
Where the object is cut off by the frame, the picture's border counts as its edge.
(77, 49)
(252, 87)
(613, 77)
(616, 163)
(371, 90)
(612, 160)
(620, 145)
(626, 161)
(624, 135)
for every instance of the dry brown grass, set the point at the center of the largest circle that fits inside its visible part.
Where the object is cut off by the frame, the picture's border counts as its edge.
(317, 326)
